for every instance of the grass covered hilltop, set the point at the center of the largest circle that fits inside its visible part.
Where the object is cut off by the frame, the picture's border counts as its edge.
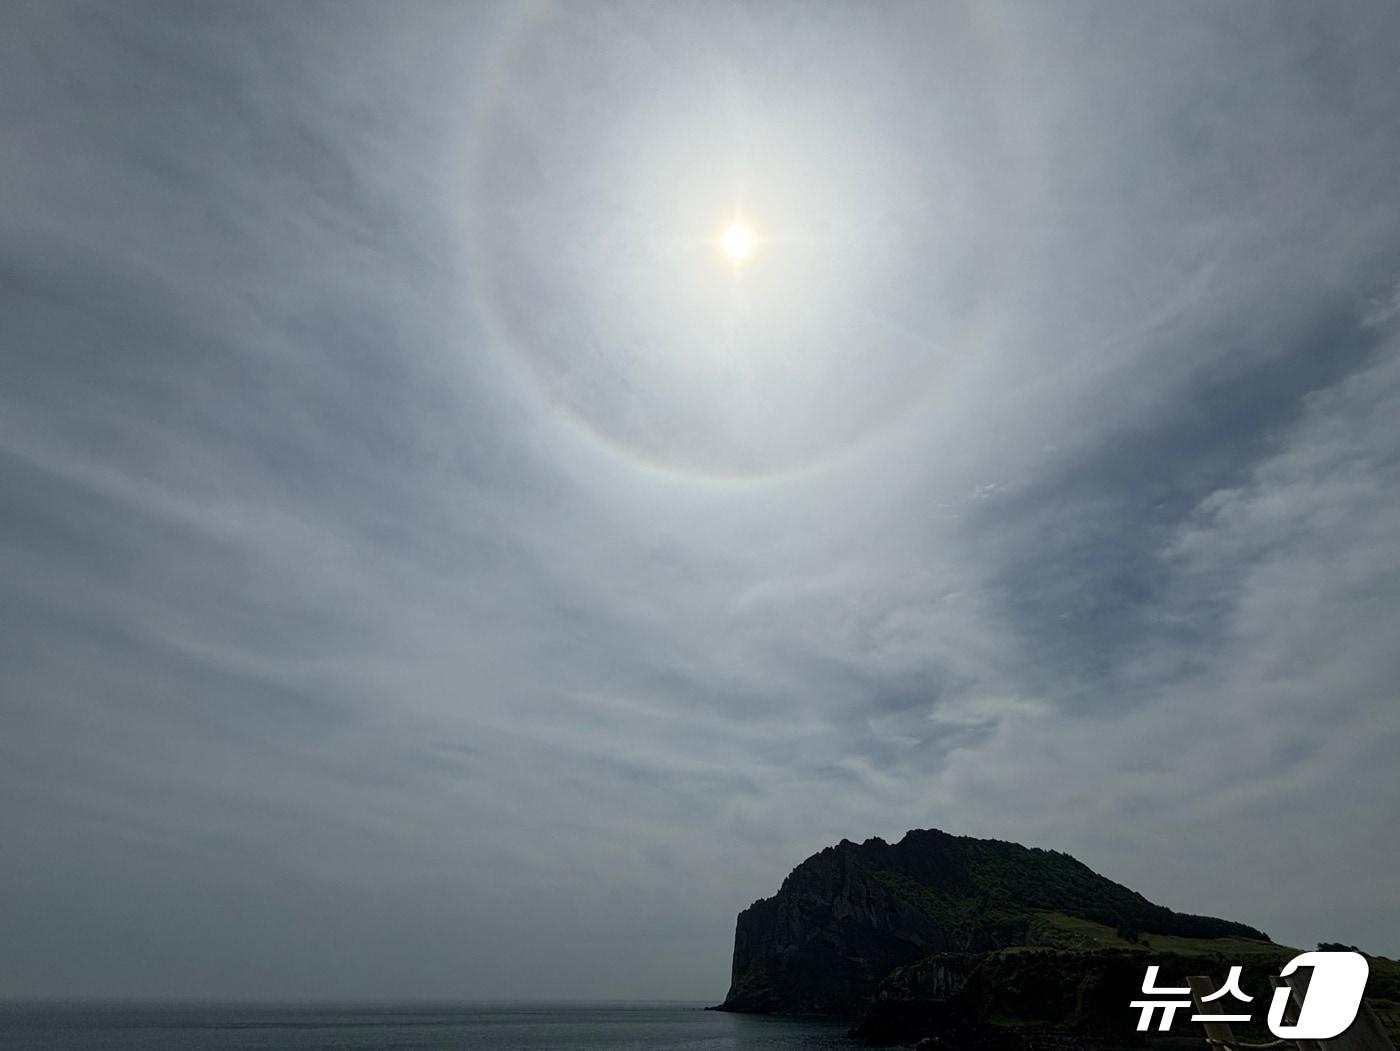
(940, 933)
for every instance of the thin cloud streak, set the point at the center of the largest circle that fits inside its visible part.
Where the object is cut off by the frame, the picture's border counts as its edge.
(342, 662)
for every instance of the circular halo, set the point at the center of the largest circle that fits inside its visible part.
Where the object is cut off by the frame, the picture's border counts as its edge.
(591, 266)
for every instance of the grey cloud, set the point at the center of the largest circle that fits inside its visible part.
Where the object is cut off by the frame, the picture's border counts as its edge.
(341, 661)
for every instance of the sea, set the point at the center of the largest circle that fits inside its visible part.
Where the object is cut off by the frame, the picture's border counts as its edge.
(479, 1027)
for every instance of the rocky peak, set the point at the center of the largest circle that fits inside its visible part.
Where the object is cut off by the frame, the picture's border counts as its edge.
(849, 915)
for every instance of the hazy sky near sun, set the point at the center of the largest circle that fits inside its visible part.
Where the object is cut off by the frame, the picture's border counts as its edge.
(430, 568)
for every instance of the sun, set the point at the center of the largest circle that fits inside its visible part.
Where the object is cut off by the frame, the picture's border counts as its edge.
(737, 242)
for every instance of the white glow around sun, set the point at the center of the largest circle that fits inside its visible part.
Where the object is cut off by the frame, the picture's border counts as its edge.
(737, 276)
(737, 242)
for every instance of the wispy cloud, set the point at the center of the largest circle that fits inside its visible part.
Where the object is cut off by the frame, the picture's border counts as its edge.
(353, 649)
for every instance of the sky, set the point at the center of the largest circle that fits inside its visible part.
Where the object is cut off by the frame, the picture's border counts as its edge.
(431, 569)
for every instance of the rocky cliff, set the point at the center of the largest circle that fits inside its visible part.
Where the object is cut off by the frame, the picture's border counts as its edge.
(857, 917)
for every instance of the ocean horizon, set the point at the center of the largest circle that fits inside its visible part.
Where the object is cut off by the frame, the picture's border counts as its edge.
(497, 1025)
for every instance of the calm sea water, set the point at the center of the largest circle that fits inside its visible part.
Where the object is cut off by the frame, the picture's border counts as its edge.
(502, 1027)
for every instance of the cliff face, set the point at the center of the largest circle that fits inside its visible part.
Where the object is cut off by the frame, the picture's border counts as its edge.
(848, 917)
(827, 938)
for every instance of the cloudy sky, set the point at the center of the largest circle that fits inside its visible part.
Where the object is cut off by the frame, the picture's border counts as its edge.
(431, 569)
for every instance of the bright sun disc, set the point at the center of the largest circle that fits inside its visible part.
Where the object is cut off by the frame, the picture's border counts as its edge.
(737, 241)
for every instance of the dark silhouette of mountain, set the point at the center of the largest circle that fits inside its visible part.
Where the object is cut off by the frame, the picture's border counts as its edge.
(913, 921)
